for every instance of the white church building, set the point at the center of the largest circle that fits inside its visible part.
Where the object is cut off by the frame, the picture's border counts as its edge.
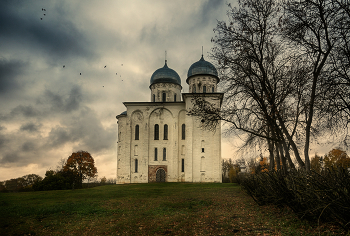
(159, 142)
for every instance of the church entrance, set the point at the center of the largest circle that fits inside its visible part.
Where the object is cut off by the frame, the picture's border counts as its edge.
(160, 175)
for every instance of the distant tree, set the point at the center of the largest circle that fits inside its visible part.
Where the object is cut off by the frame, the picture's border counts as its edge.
(226, 166)
(263, 165)
(103, 180)
(30, 180)
(234, 170)
(315, 163)
(82, 165)
(13, 185)
(55, 180)
(337, 158)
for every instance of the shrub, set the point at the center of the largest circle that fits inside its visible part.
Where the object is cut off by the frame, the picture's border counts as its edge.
(311, 196)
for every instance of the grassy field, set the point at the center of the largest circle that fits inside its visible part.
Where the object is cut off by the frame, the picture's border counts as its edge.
(148, 209)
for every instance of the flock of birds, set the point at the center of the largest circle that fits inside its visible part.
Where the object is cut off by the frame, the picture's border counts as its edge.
(64, 66)
(43, 9)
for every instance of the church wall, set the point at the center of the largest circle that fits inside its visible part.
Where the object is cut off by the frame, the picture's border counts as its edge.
(182, 149)
(123, 159)
(206, 166)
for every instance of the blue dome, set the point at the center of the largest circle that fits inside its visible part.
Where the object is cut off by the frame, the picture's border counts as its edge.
(165, 75)
(202, 67)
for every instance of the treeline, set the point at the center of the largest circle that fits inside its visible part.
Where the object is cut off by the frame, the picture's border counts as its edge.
(53, 180)
(78, 171)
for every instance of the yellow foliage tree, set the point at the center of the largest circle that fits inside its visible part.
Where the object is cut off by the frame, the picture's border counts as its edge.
(337, 158)
(232, 174)
(264, 165)
(82, 165)
(315, 163)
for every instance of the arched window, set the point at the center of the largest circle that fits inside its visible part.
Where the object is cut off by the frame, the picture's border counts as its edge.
(183, 131)
(164, 154)
(154, 98)
(204, 89)
(175, 97)
(165, 132)
(156, 154)
(156, 132)
(182, 165)
(136, 165)
(194, 89)
(137, 130)
(164, 97)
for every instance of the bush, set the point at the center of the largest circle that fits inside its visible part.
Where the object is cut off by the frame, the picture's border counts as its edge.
(311, 196)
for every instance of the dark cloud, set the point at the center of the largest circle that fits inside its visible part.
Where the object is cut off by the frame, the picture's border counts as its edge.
(58, 137)
(30, 127)
(54, 34)
(11, 157)
(9, 70)
(63, 103)
(86, 130)
(3, 141)
(26, 111)
(28, 146)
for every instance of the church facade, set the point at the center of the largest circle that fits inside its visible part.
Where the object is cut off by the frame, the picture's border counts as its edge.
(159, 142)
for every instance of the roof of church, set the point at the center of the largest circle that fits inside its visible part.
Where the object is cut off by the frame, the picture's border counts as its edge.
(165, 75)
(202, 67)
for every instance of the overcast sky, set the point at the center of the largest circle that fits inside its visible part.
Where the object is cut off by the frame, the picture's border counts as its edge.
(48, 110)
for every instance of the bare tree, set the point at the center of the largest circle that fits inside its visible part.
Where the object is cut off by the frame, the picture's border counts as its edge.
(261, 77)
(316, 28)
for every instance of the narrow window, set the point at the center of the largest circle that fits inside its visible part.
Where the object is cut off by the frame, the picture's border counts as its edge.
(204, 89)
(164, 97)
(212, 89)
(194, 89)
(165, 132)
(154, 98)
(136, 165)
(156, 132)
(156, 154)
(137, 130)
(182, 165)
(202, 149)
(183, 131)
(164, 154)
(175, 97)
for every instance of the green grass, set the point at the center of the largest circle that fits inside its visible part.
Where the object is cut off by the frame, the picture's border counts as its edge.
(148, 209)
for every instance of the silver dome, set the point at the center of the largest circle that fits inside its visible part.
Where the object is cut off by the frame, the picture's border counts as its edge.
(165, 75)
(202, 67)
